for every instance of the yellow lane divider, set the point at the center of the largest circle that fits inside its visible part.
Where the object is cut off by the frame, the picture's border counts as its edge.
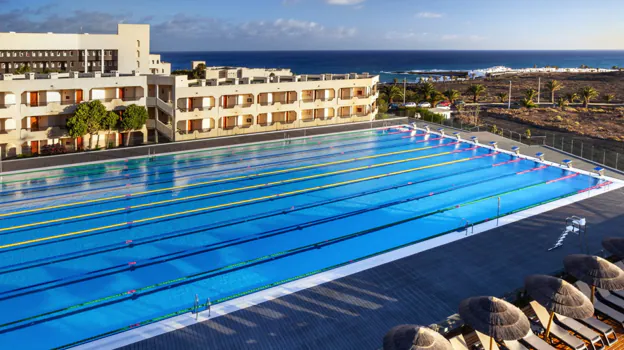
(241, 177)
(246, 201)
(232, 190)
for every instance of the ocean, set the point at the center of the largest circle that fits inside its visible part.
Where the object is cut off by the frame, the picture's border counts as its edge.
(386, 62)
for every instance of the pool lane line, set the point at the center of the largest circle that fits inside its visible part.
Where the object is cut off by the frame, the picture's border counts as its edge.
(129, 224)
(192, 278)
(160, 172)
(198, 229)
(144, 206)
(128, 209)
(218, 181)
(138, 264)
(205, 306)
(203, 174)
(147, 164)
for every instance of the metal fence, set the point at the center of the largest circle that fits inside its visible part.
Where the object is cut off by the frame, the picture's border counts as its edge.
(568, 143)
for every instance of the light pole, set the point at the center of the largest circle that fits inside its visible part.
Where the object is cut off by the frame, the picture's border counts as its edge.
(404, 89)
(539, 88)
(509, 96)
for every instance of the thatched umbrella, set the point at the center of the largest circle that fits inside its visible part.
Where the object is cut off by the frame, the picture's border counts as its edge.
(558, 296)
(595, 271)
(412, 337)
(494, 317)
(614, 245)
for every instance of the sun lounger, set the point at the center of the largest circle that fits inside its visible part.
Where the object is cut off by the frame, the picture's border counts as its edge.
(599, 305)
(514, 345)
(585, 332)
(485, 341)
(610, 299)
(459, 343)
(598, 326)
(536, 342)
(543, 316)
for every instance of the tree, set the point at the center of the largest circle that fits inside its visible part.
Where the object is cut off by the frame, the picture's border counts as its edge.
(527, 103)
(530, 94)
(395, 93)
(562, 103)
(553, 86)
(133, 118)
(452, 95)
(395, 80)
(436, 98)
(608, 97)
(382, 105)
(503, 96)
(110, 122)
(587, 94)
(476, 90)
(23, 69)
(199, 72)
(86, 120)
(572, 97)
(426, 90)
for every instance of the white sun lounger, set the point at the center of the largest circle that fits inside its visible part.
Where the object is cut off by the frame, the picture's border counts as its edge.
(556, 330)
(585, 332)
(485, 341)
(593, 323)
(459, 343)
(536, 342)
(600, 306)
(514, 345)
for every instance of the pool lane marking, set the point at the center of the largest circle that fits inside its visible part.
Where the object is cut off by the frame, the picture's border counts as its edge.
(157, 172)
(202, 174)
(251, 262)
(228, 191)
(146, 262)
(245, 201)
(174, 234)
(216, 181)
(147, 165)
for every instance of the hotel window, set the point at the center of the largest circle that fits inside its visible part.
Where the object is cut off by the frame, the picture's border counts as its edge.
(58, 53)
(138, 64)
(52, 65)
(1, 54)
(71, 53)
(138, 53)
(138, 43)
(64, 53)
(52, 54)
(3, 66)
(45, 54)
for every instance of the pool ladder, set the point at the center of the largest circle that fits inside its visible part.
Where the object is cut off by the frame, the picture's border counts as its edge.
(196, 307)
(467, 225)
(577, 225)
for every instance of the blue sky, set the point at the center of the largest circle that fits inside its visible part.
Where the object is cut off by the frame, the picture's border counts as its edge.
(335, 24)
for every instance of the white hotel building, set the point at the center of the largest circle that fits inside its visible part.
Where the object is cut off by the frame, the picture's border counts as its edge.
(118, 69)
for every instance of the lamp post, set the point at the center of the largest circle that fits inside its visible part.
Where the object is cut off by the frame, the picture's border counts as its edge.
(509, 96)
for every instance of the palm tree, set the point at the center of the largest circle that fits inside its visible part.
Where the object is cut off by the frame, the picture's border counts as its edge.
(608, 98)
(426, 90)
(527, 102)
(553, 86)
(395, 93)
(588, 93)
(476, 90)
(452, 95)
(562, 103)
(436, 98)
(572, 97)
(530, 94)
(502, 96)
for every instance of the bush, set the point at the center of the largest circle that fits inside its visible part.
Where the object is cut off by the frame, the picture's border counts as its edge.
(48, 150)
(427, 115)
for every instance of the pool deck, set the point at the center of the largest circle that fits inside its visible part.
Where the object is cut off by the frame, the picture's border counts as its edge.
(354, 312)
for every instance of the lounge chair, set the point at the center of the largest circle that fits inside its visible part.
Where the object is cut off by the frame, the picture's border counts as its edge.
(598, 326)
(485, 341)
(560, 333)
(585, 332)
(610, 299)
(536, 342)
(514, 345)
(599, 305)
(459, 343)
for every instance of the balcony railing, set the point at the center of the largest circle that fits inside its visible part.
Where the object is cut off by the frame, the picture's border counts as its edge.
(245, 105)
(186, 109)
(6, 105)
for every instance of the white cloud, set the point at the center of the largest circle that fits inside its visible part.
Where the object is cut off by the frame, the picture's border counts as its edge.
(344, 2)
(409, 35)
(450, 37)
(429, 15)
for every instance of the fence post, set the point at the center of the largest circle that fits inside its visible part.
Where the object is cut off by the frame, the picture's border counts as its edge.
(604, 157)
(562, 143)
(617, 156)
(592, 153)
(582, 149)
(554, 140)
(572, 147)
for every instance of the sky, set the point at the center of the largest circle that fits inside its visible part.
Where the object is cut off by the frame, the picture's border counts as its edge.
(248, 25)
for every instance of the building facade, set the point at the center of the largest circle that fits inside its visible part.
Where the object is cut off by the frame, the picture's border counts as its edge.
(118, 70)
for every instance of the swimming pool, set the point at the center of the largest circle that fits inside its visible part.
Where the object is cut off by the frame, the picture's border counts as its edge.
(97, 249)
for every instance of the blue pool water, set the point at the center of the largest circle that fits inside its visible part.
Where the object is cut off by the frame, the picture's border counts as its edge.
(96, 249)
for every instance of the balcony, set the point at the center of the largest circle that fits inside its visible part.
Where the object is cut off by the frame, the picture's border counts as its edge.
(34, 134)
(184, 113)
(8, 136)
(47, 108)
(112, 103)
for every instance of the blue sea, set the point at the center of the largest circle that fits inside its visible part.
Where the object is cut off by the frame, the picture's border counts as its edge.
(386, 62)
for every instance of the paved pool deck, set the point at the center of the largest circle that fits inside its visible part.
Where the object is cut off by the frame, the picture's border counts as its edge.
(355, 312)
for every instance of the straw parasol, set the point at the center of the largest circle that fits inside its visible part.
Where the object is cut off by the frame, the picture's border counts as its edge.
(614, 245)
(494, 317)
(595, 271)
(412, 337)
(558, 296)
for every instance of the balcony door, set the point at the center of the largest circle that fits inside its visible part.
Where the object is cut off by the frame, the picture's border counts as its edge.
(78, 96)
(34, 123)
(34, 99)
(121, 93)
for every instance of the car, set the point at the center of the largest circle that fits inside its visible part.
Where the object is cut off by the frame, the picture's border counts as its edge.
(444, 104)
(443, 107)
(459, 102)
(424, 105)
(410, 105)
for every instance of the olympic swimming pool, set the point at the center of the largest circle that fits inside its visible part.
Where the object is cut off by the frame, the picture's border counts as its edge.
(96, 249)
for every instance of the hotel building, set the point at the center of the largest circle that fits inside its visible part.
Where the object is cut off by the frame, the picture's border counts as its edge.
(45, 76)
